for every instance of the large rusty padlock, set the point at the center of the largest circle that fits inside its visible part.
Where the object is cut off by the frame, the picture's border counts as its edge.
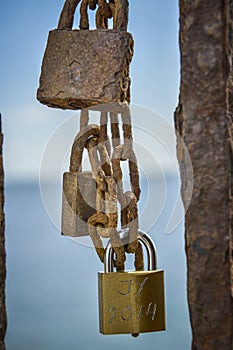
(131, 302)
(79, 189)
(83, 68)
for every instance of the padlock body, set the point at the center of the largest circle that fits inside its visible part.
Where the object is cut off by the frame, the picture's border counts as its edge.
(131, 302)
(78, 203)
(83, 68)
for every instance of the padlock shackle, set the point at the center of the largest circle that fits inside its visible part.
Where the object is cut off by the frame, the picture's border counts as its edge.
(120, 9)
(66, 19)
(148, 243)
(79, 144)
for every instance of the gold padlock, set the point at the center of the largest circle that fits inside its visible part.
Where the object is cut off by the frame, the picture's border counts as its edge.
(79, 189)
(131, 302)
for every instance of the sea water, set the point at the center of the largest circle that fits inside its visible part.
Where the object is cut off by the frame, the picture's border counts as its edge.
(51, 294)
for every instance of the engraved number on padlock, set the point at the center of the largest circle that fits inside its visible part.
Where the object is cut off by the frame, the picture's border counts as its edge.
(132, 302)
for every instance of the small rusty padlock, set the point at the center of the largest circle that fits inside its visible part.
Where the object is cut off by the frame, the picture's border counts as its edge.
(131, 302)
(82, 68)
(79, 189)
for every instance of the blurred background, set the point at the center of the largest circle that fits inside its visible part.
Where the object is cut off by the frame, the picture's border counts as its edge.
(52, 300)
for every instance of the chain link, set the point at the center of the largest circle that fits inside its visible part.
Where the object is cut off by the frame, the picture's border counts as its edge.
(105, 159)
(110, 190)
(106, 218)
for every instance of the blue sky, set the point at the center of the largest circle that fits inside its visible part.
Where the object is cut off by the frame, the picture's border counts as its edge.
(27, 124)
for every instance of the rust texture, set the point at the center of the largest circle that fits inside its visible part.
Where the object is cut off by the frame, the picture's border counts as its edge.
(203, 120)
(90, 199)
(118, 9)
(79, 188)
(3, 319)
(230, 128)
(67, 15)
(121, 14)
(82, 68)
(78, 203)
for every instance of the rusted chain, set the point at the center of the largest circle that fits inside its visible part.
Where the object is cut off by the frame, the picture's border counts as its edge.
(104, 132)
(128, 200)
(139, 259)
(103, 126)
(79, 145)
(111, 202)
(93, 222)
(92, 4)
(133, 170)
(106, 218)
(115, 129)
(84, 118)
(110, 189)
(131, 212)
(104, 160)
(119, 250)
(98, 228)
(126, 121)
(97, 171)
(98, 223)
(127, 132)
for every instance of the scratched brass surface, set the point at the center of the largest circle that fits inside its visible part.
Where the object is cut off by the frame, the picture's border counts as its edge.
(131, 302)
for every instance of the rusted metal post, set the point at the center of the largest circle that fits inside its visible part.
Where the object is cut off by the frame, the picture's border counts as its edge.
(3, 321)
(230, 128)
(204, 121)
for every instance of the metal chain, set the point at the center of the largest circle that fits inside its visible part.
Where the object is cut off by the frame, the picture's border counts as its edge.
(108, 175)
(103, 224)
(128, 200)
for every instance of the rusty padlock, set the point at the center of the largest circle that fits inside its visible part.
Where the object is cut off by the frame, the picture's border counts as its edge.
(79, 189)
(83, 68)
(131, 302)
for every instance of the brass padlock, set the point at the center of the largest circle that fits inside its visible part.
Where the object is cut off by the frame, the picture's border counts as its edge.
(131, 302)
(83, 68)
(79, 189)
